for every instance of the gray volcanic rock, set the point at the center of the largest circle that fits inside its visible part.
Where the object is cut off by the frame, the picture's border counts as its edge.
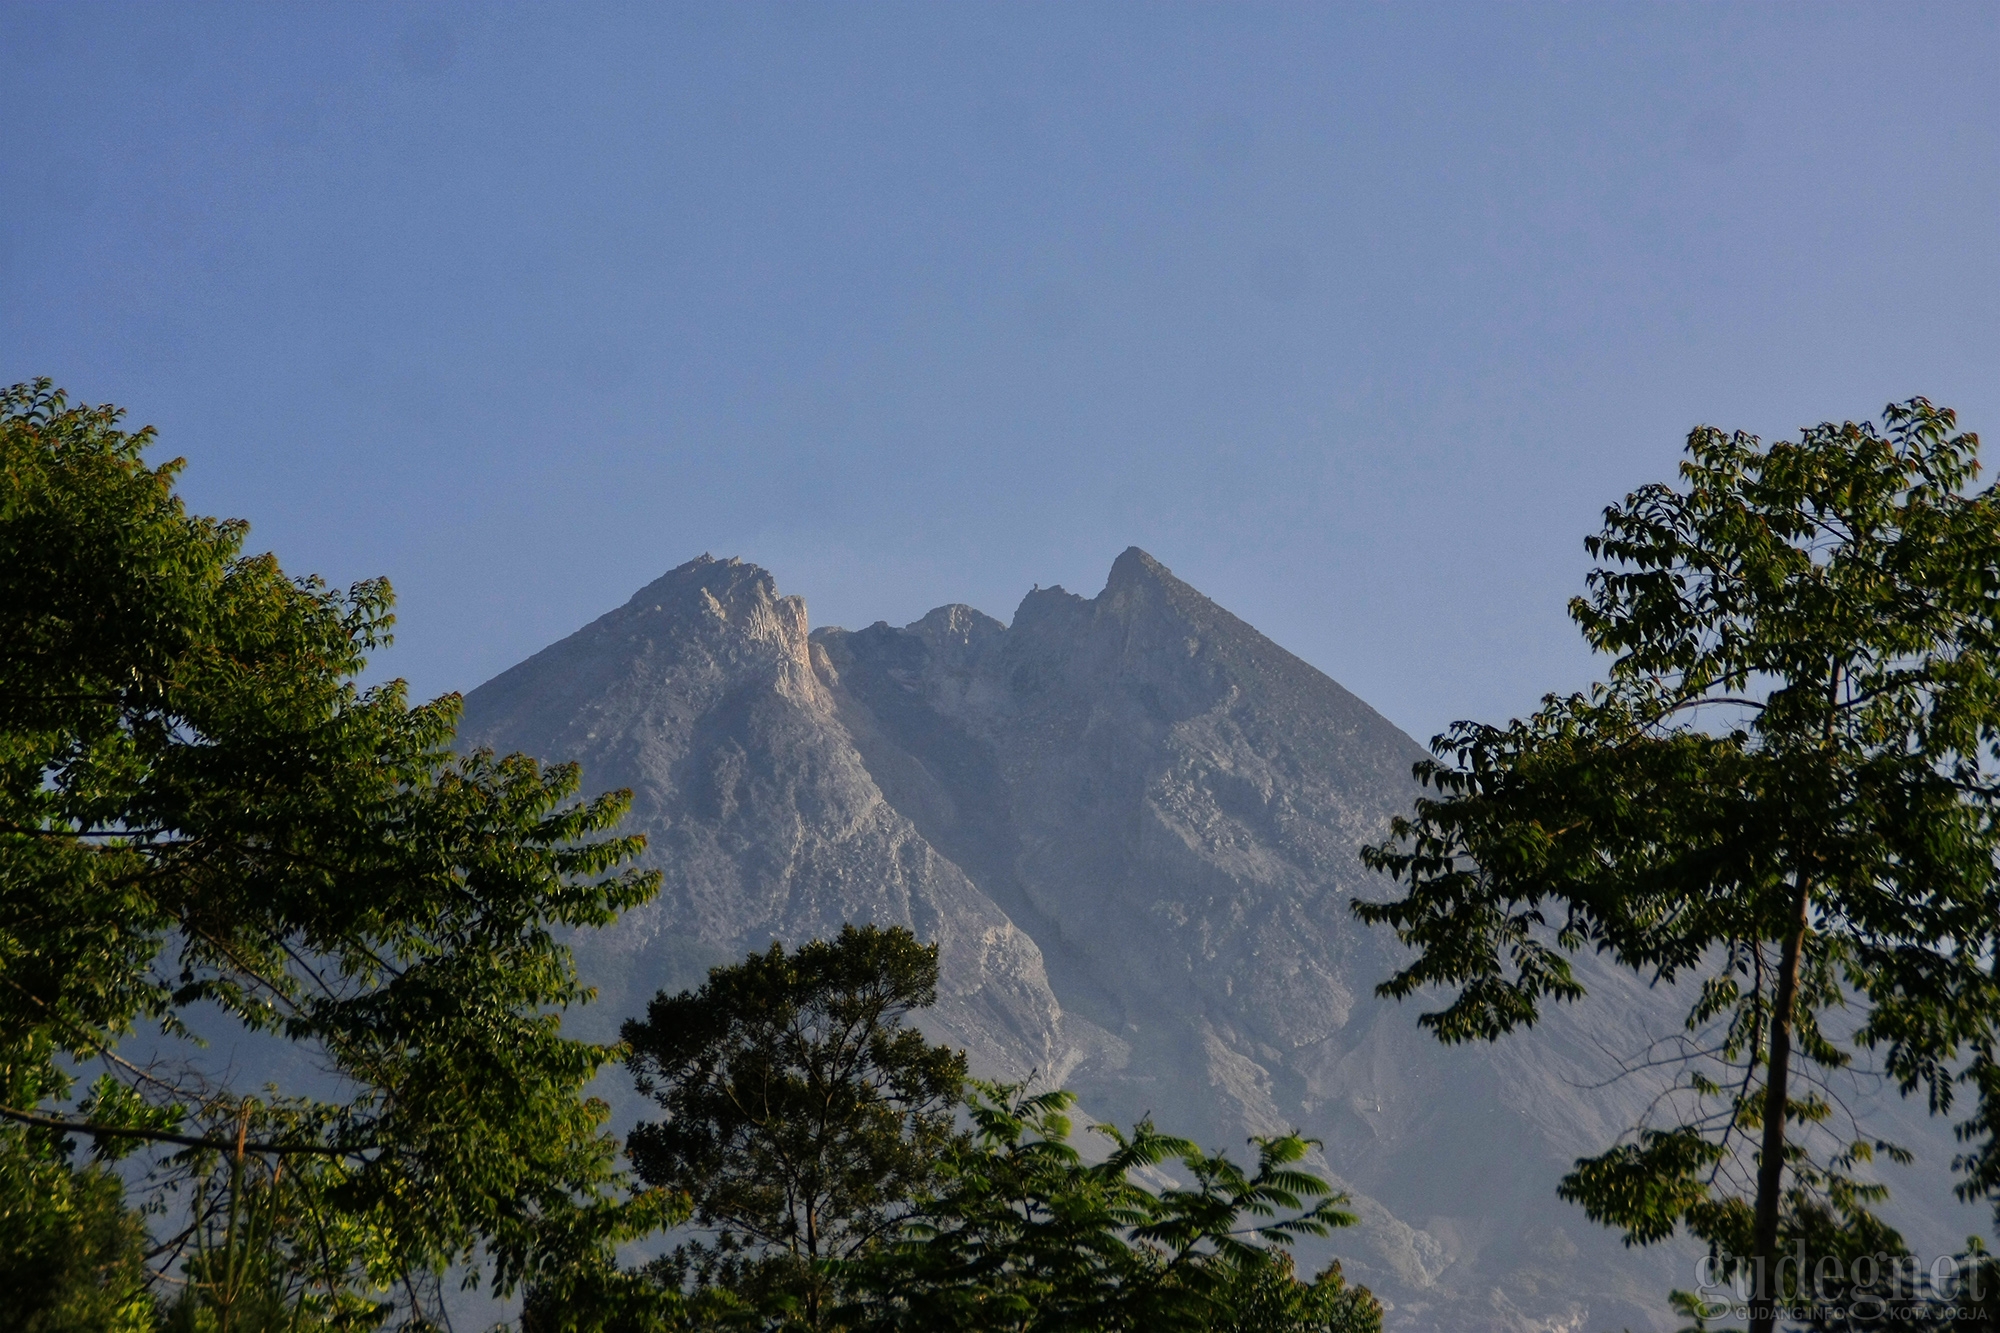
(1131, 822)
(1165, 800)
(700, 695)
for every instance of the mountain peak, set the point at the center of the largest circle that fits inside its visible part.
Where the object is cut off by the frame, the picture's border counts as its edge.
(956, 628)
(707, 584)
(1141, 587)
(1135, 566)
(1135, 579)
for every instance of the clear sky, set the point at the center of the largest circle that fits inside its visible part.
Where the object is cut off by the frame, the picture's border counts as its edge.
(1353, 316)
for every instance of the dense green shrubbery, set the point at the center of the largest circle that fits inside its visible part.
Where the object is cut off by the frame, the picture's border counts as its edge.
(72, 1255)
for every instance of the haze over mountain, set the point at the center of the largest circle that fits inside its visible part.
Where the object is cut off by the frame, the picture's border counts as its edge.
(1131, 824)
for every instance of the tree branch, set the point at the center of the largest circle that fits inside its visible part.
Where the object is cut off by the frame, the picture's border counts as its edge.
(166, 1136)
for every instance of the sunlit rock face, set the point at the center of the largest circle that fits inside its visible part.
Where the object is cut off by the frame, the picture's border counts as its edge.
(701, 695)
(1131, 823)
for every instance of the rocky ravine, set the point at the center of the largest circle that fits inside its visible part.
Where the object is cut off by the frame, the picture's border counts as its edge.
(1131, 823)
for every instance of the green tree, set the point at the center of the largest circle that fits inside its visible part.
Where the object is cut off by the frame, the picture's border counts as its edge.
(1268, 1297)
(1780, 798)
(813, 1130)
(72, 1255)
(206, 825)
(1021, 1235)
(802, 1112)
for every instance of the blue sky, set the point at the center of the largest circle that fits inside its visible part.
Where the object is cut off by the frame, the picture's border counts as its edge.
(1354, 316)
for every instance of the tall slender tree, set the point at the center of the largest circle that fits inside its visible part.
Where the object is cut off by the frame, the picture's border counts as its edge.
(1781, 798)
(802, 1113)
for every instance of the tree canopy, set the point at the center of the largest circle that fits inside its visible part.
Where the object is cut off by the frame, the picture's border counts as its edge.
(1781, 798)
(1023, 1235)
(814, 1130)
(802, 1113)
(207, 826)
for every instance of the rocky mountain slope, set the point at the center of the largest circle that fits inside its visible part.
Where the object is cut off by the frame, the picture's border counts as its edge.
(1131, 823)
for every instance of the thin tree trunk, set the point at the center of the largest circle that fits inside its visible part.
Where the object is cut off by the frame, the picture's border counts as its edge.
(812, 1262)
(1771, 1165)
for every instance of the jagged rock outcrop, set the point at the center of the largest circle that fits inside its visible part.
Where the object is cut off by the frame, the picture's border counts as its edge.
(701, 696)
(1131, 822)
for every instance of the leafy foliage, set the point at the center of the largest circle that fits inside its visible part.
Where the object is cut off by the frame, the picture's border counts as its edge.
(1268, 1297)
(72, 1255)
(813, 1130)
(1780, 798)
(801, 1111)
(205, 824)
(1023, 1235)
